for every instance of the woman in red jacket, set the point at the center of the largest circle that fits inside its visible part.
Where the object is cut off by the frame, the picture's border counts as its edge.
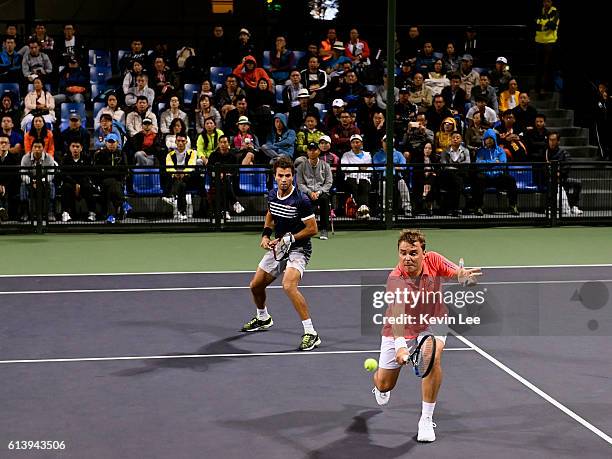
(39, 131)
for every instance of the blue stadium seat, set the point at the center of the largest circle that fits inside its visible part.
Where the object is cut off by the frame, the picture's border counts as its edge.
(97, 107)
(279, 93)
(190, 90)
(97, 89)
(266, 60)
(99, 58)
(253, 180)
(523, 176)
(322, 110)
(219, 74)
(298, 55)
(100, 74)
(12, 87)
(120, 54)
(46, 85)
(72, 107)
(146, 182)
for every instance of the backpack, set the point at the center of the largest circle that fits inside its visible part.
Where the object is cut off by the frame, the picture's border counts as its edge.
(350, 208)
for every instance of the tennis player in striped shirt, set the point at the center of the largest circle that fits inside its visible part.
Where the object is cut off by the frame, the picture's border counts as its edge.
(290, 216)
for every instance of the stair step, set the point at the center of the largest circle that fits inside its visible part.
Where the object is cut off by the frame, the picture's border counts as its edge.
(571, 141)
(588, 151)
(572, 131)
(559, 122)
(558, 113)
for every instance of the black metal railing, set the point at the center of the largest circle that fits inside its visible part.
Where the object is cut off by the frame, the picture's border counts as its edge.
(235, 197)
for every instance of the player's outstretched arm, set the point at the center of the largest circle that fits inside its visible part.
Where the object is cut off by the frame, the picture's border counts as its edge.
(467, 276)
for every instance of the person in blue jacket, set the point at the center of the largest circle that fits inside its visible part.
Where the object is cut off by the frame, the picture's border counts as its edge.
(281, 141)
(496, 177)
(380, 161)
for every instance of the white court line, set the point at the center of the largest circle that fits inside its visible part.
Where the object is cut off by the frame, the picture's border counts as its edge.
(242, 287)
(388, 269)
(536, 389)
(204, 356)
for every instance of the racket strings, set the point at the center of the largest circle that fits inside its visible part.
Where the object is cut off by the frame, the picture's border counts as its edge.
(425, 356)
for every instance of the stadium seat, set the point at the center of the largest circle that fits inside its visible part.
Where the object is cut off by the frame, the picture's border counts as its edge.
(218, 74)
(279, 93)
(146, 182)
(99, 74)
(266, 60)
(253, 180)
(97, 107)
(120, 54)
(10, 87)
(298, 55)
(523, 176)
(322, 110)
(46, 85)
(72, 107)
(96, 90)
(99, 58)
(190, 90)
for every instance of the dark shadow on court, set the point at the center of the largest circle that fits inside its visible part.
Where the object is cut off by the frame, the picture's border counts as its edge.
(223, 346)
(356, 441)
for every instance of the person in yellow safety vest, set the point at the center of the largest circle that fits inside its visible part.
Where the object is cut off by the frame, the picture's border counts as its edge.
(547, 26)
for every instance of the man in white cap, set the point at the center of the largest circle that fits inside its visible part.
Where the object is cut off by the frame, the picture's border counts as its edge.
(332, 117)
(500, 76)
(358, 179)
(245, 46)
(298, 114)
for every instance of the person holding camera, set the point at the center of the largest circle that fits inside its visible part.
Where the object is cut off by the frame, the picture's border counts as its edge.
(245, 142)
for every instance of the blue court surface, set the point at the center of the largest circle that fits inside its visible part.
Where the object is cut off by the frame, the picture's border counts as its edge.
(153, 366)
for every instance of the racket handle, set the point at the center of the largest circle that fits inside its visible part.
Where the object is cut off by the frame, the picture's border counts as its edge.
(461, 263)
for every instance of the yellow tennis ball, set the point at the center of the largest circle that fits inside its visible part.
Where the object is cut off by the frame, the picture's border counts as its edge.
(370, 364)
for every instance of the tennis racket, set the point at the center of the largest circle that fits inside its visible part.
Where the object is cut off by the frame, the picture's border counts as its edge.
(280, 250)
(422, 358)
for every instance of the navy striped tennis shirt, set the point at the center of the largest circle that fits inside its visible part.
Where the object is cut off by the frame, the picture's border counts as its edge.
(289, 214)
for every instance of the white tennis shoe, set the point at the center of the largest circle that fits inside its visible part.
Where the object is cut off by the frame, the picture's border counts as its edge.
(382, 398)
(426, 430)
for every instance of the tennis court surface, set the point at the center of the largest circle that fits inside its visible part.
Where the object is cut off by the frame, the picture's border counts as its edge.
(153, 366)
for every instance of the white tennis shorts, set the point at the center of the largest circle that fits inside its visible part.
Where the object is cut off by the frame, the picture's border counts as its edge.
(387, 349)
(296, 259)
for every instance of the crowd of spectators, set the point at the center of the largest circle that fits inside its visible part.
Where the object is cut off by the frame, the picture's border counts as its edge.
(272, 102)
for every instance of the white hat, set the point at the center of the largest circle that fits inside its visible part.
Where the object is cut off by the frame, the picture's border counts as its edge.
(356, 137)
(243, 120)
(303, 93)
(502, 59)
(338, 45)
(245, 31)
(338, 103)
(325, 138)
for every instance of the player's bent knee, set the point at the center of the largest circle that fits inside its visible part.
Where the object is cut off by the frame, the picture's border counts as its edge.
(385, 380)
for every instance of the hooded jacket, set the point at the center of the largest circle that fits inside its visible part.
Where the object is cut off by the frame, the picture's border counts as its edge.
(251, 78)
(443, 139)
(491, 155)
(285, 144)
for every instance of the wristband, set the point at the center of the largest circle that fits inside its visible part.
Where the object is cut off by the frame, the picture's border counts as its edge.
(399, 343)
(267, 232)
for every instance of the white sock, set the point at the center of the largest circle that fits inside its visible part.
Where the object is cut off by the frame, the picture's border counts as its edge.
(308, 328)
(428, 409)
(262, 314)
